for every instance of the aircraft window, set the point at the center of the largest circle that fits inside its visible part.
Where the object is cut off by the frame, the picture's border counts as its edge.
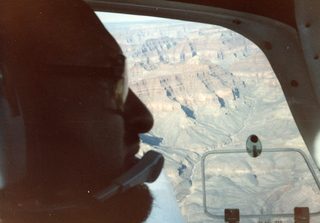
(209, 89)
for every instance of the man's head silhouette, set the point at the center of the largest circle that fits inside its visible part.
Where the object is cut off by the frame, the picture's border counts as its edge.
(65, 75)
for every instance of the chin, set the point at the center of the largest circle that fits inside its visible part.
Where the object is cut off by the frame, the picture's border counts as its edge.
(132, 206)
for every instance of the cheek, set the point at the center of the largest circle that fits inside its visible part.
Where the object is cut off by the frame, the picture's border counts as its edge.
(87, 117)
(100, 141)
(105, 138)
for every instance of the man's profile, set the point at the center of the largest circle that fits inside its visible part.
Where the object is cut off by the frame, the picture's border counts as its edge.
(65, 75)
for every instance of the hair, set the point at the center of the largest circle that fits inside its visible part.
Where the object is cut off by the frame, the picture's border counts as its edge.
(66, 33)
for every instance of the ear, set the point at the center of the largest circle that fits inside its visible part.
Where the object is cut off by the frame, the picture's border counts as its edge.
(7, 91)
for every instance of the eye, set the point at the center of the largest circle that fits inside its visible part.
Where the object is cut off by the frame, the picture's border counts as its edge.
(118, 65)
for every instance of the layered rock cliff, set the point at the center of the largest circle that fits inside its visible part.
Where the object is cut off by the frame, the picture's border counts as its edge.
(209, 88)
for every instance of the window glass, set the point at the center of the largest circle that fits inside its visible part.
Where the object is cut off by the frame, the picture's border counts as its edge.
(210, 88)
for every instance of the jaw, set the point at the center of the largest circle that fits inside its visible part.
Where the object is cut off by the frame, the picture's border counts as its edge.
(132, 206)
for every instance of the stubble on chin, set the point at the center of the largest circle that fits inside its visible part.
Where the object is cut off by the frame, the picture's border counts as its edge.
(132, 206)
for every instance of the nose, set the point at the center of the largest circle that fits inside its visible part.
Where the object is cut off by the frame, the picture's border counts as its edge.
(138, 118)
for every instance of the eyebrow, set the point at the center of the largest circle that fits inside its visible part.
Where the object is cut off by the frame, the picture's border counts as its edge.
(115, 70)
(93, 71)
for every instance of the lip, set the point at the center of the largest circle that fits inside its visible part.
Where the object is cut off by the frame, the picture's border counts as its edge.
(131, 161)
(133, 149)
(131, 158)
(132, 143)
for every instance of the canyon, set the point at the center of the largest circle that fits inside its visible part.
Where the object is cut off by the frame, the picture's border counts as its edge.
(209, 89)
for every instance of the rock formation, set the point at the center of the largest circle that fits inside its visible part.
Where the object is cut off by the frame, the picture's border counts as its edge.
(210, 88)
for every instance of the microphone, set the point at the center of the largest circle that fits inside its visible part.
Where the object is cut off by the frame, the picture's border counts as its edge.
(146, 170)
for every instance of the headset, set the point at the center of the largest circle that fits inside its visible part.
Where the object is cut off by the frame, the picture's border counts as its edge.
(147, 169)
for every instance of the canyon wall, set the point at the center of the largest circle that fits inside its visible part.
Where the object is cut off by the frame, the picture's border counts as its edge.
(210, 88)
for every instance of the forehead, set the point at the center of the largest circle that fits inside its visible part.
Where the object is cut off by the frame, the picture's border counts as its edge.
(58, 32)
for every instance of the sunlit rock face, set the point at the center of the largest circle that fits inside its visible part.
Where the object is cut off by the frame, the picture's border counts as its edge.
(209, 88)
